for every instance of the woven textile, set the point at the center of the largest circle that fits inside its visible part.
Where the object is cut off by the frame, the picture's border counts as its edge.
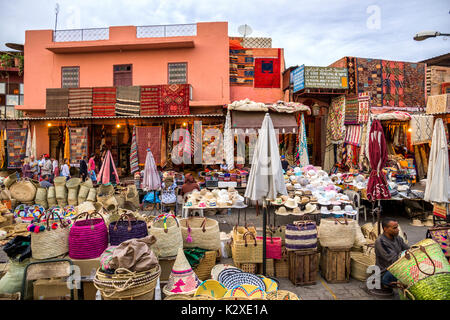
(212, 147)
(363, 107)
(302, 148)
(148, 137)
(16, 144)
(351, 110)
(57, 103)
(78, 144)
(134, 164)
(174, 100)
(438, 104)
(369, 75)
(242, 70)
(336, 117)
(353, 135)
(267, 72)
(150, 100)
(128, 101)
(414, 90)
(422, 128)
(103, 101)
(352, 79)
(80, 102)
(393, 83)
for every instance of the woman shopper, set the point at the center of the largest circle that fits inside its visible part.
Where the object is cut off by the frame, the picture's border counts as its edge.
(91, 168)
(65, 171)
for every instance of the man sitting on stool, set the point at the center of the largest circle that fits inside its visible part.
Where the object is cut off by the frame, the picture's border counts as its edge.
(388, 249)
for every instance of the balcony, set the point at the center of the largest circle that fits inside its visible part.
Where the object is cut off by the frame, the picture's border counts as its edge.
(162, 31)
(81, 35)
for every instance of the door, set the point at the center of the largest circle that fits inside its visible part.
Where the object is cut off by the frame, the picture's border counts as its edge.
(123, 75)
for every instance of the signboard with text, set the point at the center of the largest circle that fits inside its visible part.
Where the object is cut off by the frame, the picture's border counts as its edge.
(319, 77)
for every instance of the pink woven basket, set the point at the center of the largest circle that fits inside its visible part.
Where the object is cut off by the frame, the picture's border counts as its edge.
(88, 238)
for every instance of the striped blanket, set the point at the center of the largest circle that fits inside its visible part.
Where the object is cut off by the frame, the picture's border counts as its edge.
(80, 102)
(363, 107)
(103, 101)
(128, 101)
(78, 144)
(150, 100)
(57, 102)
(353, 135)
(351, 110)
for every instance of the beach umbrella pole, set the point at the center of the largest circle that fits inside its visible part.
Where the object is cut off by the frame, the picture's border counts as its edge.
(264, 235)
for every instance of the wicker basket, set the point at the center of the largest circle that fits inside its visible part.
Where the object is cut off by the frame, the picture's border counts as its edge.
(127, 285)
(282, 295)
(41, 197)
(359, 264)
(61, 180)
(204, 233)
(72, 196)
(248, 267)
(248, 250)
(10, 180)
(203, 270)
(167, 232)
(281, 267)
(51, 197)
(436, 287)
(179, 297)
(92, 195)
(23, 191)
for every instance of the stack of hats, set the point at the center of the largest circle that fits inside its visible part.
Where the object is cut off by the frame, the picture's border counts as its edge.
(219, 198)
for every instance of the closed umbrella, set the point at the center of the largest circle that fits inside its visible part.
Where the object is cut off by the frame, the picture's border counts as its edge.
(266, 179)
(28, 144)
(108, 172)
(67, 144)
(228, 143)
(33, 143)
(151, 179)
(437, 187)
(134, 153)
(302, 147)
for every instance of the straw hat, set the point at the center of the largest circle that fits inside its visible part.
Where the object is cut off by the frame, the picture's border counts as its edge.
(297, 199)
(296, 211)
(278, 201)
(291, 203)
(416, 223)
(304, 200)
(309, 208)
(182, 279)
(203, 192)
(239, 204)
(87, 206)
(209, 196)
(349, 210)
(298, 193)
(282, 211)
(337, 210)
(324, 210)
(428, 223)
(290, 187)
(284, 198)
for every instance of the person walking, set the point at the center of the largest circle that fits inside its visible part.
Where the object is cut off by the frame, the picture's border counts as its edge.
(83, 168)
(91, 168)
(65, 171)
(26, 169)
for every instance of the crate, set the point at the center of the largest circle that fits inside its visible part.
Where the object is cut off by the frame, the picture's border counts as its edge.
(303, 267)
(248, 267)
(335, 264)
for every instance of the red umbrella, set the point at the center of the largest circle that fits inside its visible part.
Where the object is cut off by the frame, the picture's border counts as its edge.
(377, 187)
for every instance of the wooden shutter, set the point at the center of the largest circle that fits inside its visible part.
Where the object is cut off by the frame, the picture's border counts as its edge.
(123, 75)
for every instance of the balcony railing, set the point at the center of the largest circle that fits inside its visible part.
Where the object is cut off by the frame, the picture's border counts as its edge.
(161, 31)
(81, 35)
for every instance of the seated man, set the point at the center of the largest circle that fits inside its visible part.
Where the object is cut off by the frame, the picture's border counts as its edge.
(388, 249)
(45, 183)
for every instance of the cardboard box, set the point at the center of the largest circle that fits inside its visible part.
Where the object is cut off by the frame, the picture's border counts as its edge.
(88, 267)
(51, 289)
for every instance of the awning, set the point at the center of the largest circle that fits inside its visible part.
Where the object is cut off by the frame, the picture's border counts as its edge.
(285, 122)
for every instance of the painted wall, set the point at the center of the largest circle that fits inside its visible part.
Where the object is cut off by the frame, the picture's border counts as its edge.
(208, 68)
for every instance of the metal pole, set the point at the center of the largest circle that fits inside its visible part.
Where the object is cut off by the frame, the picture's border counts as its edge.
(264, 236)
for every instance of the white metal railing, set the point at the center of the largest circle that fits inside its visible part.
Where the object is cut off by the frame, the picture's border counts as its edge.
(81, 35)
(160, 31)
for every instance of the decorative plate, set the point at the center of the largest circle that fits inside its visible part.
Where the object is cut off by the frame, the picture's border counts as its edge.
(218, 268)
(211, 288)
(271, 285)
(241, 278)
(224, 274)
(246, 291)
(21, 211)
(35, 211)
(69, 211)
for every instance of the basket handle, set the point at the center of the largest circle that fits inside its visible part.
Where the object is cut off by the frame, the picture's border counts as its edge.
(250, 234)
(166, 230)
(47, 218)
(89, 216)
(203, 225)
(421, 248)
(336, 221)
(122, 218)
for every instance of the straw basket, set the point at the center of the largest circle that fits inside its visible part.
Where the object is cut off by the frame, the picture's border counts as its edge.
(338, 232)
(204, 233)
(41, 197)
(62, 202)
(167, 232)
(61, 191)
(51, 242)
(282, 295)
(10, 180)
(61, 180)
(84, 190)
(72, 197)
(105, 190)
(436, 287)
(127, 285)
(92, 195)
(23, 191)
(132, 195)
(51, 196)
(424, 259)
(203, 270)
(238, 231)
(179, 297)
(108, 201)
(88, 238)
(248, 250)
(359, 263)
(122, 230)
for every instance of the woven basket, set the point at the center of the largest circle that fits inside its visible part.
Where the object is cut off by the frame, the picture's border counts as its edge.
(204, 233)
(132, 195)
(105, 190)
(72, 196)
(424, 259)
(88, 238)
(84, 190)
(62, 202)
(167, 232)
(58, 181)
(122, 230)
(203, 269)
(50, 243)
(23, 191)
(108, 201)
(51, 197)
(248, 250)
(73, 183)
(41, 197)
(179, 297)
(238, 231)
(10, 180)
(92, 195)
(359, 264)
(435, 287)
(127, 285)
(338, 232)
(248, 267)
(441, 234)
(282, 295)
(61, 192)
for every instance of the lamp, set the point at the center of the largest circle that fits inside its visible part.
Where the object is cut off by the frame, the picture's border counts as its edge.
(49, 124)
(315, 109)
(428, 34)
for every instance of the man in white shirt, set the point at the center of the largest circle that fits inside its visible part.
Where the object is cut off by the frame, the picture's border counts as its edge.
(65, 170)
(47, 167)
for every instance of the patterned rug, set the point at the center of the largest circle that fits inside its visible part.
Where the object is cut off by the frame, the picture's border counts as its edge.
(103, 101)
(352, 79)
(369, 75)
(148, 137)
(393, 83)
(353, 135)
(351, 110)
(336, 119)
(174, 100)
(78, 144)
(16, 144)
(422, 128)
(414, 90)
(267, 72)
(150, 100)
(57, 103)
(363, 107)
(128, 101)
(242, 70)
(80, 102)
(212, 149)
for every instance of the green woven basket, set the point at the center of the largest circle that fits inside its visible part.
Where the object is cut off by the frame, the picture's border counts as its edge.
(424, 259)
(436, 287)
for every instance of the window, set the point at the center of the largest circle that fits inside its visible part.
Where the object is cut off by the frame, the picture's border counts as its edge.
(177, 72)
(70, 77)
(12, 100)
(123, 75)
(2, 88)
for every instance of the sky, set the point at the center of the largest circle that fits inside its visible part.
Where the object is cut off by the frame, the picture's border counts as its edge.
(314, 33)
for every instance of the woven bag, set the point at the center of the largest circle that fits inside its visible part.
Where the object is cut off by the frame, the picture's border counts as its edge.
(248, 250)
(122, 230)
(167, 232)
(84, 190)
(41, 197)
(435, 287)
(72, 197)
(51, 197)
(337, 232)
(88, 238)
(423, 259)
(92, 195)
(61, 192)
(360, 261)
(108, 201)
(441, 234)
(201, 233)
(51, 242)
(301, 235)
(203, 269)
(132, 195)
(10, 180)
(238, 231)
(105, 190)
(273, 246)
(23, 191)
(61, 180)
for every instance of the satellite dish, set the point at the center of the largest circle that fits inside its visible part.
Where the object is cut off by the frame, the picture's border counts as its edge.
(245, 30)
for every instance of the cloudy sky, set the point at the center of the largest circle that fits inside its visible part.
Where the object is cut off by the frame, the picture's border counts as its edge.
(312, 32)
